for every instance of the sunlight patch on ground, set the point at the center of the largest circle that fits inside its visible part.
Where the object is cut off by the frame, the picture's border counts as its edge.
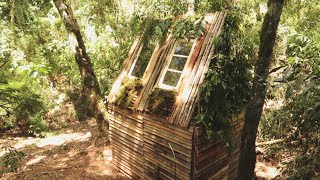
(100, 161)
(35, 160)
(107, 154)
(72, 153)
(53, 141)
(265, 171)
(63, 138)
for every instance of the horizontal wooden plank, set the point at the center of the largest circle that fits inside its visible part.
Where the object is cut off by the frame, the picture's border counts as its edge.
(168, 158)
(127, 131)
(128, 113)
(130, 164)
(212, 170)
(212, 163)
(167, 126)
(204, 147)
(217, 155)
(158, 134)
(155, 141)
(126, 171)
(120, 124)
(127, 121)
(167, 166)
(124, 137)
(153, 173)
(158, 148)
(128, 168)
(128, 147)
(130, 161)
(221, 174)
(128, 155)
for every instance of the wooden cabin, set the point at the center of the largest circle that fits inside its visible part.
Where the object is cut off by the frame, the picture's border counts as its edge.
(152, 106)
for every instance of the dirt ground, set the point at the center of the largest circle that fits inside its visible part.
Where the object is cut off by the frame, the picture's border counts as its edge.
(69, 154)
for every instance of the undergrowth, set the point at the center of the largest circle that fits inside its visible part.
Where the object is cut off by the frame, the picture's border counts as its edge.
(226, 89)
(161, 101)
(129, 89)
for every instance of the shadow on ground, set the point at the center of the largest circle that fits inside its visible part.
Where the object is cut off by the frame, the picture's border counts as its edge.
(68, 155)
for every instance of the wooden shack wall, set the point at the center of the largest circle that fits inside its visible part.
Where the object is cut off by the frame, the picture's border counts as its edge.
(212, 160)
(141, 146)
(126, 135)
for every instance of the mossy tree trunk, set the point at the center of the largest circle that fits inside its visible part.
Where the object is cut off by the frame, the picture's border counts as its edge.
(91, 89)
(254, 109)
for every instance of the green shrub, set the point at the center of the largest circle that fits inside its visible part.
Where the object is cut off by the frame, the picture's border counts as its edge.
(29, 115)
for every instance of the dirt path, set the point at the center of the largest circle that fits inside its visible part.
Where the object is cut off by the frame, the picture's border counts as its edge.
(69, 154)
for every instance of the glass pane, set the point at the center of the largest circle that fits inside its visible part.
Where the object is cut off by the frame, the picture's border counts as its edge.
(143, 60)
(177, 63)
(171, 78)
(183, 48)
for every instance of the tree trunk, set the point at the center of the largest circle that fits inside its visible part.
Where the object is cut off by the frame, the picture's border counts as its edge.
(255, 106)
(91, 89)
(12, 14)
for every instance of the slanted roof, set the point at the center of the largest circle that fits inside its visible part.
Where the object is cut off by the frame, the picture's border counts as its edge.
(191, 78)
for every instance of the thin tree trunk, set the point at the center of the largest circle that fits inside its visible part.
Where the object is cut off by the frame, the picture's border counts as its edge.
(12, 14)
(254, 109)
(90, 84)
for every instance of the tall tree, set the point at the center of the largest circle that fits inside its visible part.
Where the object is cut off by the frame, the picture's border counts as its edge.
(91, 90)
(255, 106)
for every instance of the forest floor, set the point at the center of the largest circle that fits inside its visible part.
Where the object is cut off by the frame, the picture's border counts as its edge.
(70, 152)
(66, 154)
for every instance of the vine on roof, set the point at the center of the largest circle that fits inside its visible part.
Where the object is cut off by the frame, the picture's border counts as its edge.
(226, 89)
(152, 27)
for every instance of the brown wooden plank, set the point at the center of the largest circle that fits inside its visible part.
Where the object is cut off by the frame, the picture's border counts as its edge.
(177, 130)
(128, 113)
(167, 167)
(121, 123)
(164, 149)
(125, 130)
(130, 160)
(152, 139)
(150, 170)
(127, 120)
(160, 135)
(128, 154)
(127, 167)
(126, 138)
(128, 147)
(168, 157)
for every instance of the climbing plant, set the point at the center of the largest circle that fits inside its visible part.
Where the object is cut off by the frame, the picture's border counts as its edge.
(226, 89)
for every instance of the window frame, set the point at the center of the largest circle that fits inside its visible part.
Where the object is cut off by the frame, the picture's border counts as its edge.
(134, 64)
(136, 60)
(169, 60)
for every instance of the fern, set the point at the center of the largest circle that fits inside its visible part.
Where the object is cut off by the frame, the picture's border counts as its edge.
(13, 159)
